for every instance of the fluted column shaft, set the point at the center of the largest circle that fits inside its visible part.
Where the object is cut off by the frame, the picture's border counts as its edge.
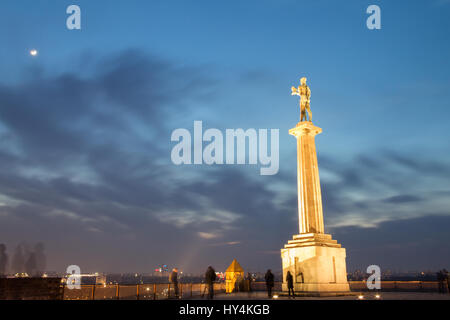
(309, 192)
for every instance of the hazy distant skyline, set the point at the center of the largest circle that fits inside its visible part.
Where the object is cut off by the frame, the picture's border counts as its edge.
(85, 131)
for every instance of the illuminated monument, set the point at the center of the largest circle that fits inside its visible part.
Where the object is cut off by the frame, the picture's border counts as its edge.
(316, 261)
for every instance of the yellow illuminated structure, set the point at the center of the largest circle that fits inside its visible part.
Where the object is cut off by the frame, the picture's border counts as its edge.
(233, 275)
(316, 261)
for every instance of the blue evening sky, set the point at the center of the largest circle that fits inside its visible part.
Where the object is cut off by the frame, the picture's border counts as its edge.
(381, 97)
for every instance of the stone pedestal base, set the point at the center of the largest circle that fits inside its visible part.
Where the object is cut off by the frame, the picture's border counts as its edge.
(316, 262)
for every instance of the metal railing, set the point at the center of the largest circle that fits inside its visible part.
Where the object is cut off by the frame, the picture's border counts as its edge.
(161, 291)
(399, 286)
(154, 291)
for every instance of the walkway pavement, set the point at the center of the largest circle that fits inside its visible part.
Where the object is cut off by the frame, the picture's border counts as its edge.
(366, 296)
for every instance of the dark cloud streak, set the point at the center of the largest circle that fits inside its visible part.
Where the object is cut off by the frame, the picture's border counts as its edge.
(83, 168)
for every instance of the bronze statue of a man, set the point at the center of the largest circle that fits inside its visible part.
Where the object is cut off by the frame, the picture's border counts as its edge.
(305, 96)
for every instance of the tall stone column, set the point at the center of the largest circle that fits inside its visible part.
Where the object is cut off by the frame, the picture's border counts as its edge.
(315, 261)
(310, 214)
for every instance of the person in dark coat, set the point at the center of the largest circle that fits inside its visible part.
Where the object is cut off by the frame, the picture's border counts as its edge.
(440, 279)
(445, 280)
(210, 277)
(269, 282)
(290, 284)
(174, 280)
(249, 281)
(448, 282)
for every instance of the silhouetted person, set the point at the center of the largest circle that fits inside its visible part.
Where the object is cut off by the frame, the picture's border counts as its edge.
(448, 280)
(210, 277)
(173, 278)
(440, 279)
(41, 261)
(18, 261)
(30, 265)
(3, 260)
(445, 280)
(239, 283)
(249, 281)
(290, 284)
(270, 282)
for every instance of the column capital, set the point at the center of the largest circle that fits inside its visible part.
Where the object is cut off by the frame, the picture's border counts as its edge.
(305, 128)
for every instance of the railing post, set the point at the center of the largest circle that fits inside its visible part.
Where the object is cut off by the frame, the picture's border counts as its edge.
(191, 289)
(168, 291)
(137, 292)
(180, 294)
(93, 292)
(154, 291)
(117, 292)
(63, 291)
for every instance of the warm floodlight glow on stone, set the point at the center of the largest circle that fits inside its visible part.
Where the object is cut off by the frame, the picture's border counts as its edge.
(312, 256)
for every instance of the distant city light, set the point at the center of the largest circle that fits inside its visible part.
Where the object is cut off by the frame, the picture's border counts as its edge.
(275, 296)
(33, 52)
(360, 297)
(377, 296)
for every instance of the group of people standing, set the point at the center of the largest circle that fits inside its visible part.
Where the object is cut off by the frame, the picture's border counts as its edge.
(210, 277)
(270, 283)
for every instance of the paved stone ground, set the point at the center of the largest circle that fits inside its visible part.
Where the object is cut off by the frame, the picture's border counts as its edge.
(367, 296)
